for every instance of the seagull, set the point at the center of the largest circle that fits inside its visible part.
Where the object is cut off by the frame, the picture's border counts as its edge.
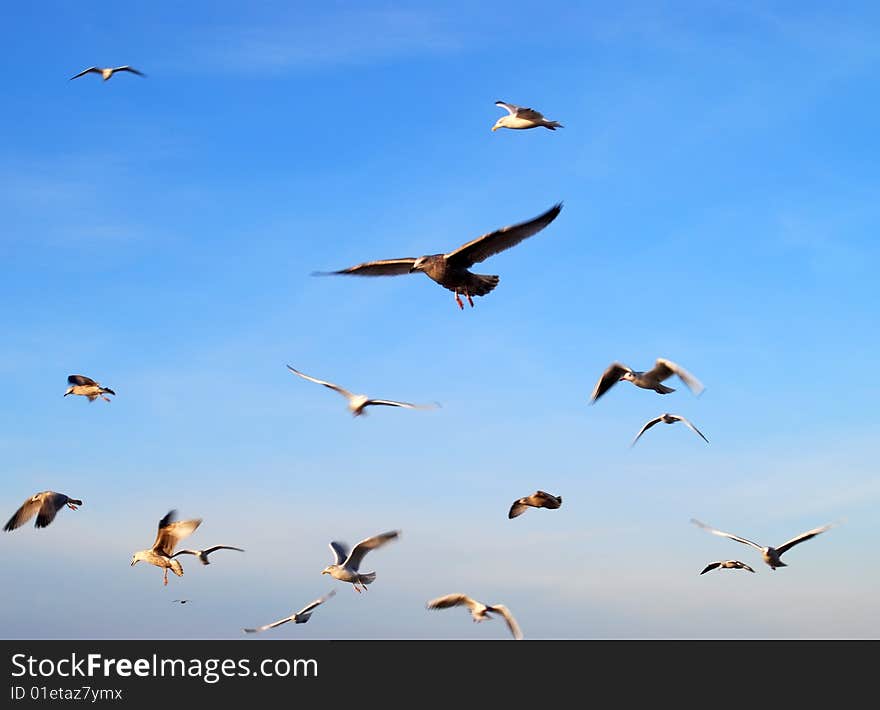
(727, 564)
(345, 569)
(47, 504)
(203, 554)
(300, 617)
(357, 403)
(171, 531)
(87, 387)
(521, 117)
(770, 555)
(107, 72)
(479, 611)
(668, 418)
(451, 270)
(538, 499)
(179, 601)
(663, 369)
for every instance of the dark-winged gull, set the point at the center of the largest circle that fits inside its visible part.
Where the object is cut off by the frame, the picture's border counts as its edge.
(520, 117)
(203, 554)
(107, 72)
(451, 270)
(44, 505)
(538, 499)
(171, 531)
(668, 418)
(300, 617)
(347, 564)
(479, 611)
(357, 403)
(650, 380)
(87, 387)
(770, 555)
(726, 564)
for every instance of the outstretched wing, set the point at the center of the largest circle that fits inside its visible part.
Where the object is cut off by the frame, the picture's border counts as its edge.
(609, 378)
(407, 405)
(51, 504)
(316, 603)
(648, 425)
(801, 538)
(80, 380)
(518, 508)
(268, 626)
(172, 531)
(511, 108)
(340, 551)
(664, 368)
(691, 426)
(508, 617)
(131, 69)
(336, 388)
(356, 556)
(90, 70)
(492, 243)
(726, 534)
(450, 600)
(711, 566)
(383, 267)
(222, 547)
(27, 511)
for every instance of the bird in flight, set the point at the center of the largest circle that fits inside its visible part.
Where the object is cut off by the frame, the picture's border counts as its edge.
(726, 564)
(770, 555)
(538, 499)
(668, 418)
(479, 611)
(203, 554)
(451, 270)
(107, 72)
(44, 505)
(300, 617)
(650, 380)
(87, 387)
(520, 117)
(357, 403)
(347, 564)
(171, 531)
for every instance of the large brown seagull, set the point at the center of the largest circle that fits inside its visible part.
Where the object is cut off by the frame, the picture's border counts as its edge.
(451, 270)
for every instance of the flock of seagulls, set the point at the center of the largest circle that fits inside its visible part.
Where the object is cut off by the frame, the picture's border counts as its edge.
(451, 270)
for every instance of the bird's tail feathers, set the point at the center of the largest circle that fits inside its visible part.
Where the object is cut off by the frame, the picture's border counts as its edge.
(663, 389)
(553, 125)
(367, 577)
(481, 284)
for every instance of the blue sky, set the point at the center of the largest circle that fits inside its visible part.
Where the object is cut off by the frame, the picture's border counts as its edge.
(718, 170)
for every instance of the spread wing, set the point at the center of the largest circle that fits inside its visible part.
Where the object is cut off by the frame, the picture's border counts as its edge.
(384, 267)
(664, 368)
(508, 617)
(648, 425)
(494, 242)
(801, 538)
(306, 609)
(691, 427)
(222, 547)
(451, 600)
(725, 534)
(336, 388)
(131, 69)
(356, 556)
(609, 378)
(90, 70)
(27, 511)
(51, 504)
(511, 108)
(546, 499)
(340, 551)
(518, 508)
(710, 567)
(172, 531)
(407, 405)
(80, 380)
(268, 626)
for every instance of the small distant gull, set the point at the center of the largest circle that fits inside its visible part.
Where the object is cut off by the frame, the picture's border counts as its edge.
(179, 601)
(479, 611)
(538, 499)
(357, 403)
(770, 555)
(650, 380)
(668, 418)
(107, 72)
(203, 554)
(451, 270)
(727, 564)
(171, 531)
(300, 617)
(520, 117)
(44, 505)
(87, 387)
(347, 564)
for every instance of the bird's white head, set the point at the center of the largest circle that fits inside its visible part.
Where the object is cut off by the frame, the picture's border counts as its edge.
(629, 376)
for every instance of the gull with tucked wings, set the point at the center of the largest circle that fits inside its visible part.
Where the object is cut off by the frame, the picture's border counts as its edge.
(479, 611)
(44, 505)
(520, 117)
(346, 568)
(171, 531)
(451, 270)
(770, 555)
(87, 387)
(357, 403)
(107, 72)
(650, 380)
(668, 418)
(300, 617)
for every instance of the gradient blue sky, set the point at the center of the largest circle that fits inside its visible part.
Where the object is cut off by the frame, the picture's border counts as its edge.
(718, 167)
